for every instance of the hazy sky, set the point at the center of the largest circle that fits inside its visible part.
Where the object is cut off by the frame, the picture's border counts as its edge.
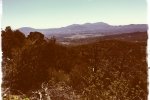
(58, 13)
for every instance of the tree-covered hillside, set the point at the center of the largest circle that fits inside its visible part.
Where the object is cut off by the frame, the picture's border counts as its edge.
(107, 69)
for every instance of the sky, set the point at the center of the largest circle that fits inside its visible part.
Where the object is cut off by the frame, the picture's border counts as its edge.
(60, 13)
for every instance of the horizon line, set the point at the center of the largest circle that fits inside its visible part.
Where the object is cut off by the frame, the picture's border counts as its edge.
(74, 24)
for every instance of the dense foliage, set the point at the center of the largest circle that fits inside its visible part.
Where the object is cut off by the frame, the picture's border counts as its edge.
(104, 70)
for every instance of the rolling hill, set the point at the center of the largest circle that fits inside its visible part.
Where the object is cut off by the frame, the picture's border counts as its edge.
(76, 31)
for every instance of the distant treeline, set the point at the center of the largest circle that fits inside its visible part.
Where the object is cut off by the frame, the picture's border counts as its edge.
(104, 70)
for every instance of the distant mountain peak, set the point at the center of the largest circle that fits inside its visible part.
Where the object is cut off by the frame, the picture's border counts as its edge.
(73, 25)
(97, 23)
(101, 23)
(89, 28)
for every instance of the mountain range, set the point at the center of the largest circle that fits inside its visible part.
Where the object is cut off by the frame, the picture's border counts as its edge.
(88, 30)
